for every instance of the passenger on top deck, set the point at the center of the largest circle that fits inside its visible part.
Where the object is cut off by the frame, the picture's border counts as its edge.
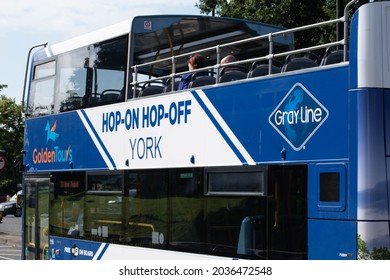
(196, 61)
(228, 59)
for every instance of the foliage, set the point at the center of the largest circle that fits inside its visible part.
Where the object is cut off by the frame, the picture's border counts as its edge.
(286, 13)
(364, 253)
(11, 143)
(380, 254)
(2, 86)
(209, 6)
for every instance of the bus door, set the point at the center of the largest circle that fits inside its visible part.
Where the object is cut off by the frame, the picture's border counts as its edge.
(287, 212)
(330, 231)
(36, 218)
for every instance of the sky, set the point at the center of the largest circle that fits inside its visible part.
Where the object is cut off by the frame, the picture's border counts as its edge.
(25, 23)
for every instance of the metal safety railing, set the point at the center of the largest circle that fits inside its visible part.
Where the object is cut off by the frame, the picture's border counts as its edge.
(216, 68)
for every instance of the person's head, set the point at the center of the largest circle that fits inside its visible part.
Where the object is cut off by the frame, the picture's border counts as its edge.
(196, 61)
(228, 59)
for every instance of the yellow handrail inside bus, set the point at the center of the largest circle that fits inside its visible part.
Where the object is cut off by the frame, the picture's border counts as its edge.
(276, 222)
(142, 225)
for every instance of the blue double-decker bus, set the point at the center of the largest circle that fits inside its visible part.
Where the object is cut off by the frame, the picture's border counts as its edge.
(282, 153)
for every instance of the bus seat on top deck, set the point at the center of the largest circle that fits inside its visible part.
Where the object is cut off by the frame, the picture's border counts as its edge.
(108, 98)
(299, 63)
(130, 93)
(202, 81)
(333, 57)
(92, 101)
(263, 70)
(168, 85)
(233, 75)
(151, 90)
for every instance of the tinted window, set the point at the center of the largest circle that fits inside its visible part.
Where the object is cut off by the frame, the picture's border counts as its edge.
(330, 187)
(240, 182)
(41, 98)
(92, 75)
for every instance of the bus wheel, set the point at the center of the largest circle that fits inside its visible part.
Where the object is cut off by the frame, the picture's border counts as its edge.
(18, 212)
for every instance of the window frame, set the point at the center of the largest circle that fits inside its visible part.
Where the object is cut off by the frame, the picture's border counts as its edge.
(236, 169)
(331, 206)
(104, 173)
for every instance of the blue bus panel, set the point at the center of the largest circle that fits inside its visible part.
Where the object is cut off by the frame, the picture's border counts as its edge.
(294, 113)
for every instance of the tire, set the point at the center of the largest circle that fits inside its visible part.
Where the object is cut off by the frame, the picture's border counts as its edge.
(18, 212)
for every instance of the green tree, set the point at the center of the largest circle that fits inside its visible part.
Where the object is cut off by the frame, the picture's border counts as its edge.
(380, 254)
(209, 6)
(363, 252)
(286, 13)
(11, 143)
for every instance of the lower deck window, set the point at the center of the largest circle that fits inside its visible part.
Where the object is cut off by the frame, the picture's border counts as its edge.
(232, 212)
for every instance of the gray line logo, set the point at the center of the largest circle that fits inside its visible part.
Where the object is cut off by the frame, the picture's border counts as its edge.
(298, 116)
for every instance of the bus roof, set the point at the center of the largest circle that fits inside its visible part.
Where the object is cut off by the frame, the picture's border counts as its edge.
(93, 37)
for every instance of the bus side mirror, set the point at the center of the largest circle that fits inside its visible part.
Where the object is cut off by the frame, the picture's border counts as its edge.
(20, 201)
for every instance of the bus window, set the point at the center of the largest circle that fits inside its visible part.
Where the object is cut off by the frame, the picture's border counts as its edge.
(103, 206)
(330, 189)
(91, 76)
(146, 209)
(235, 211)
(41, 100)
(186, 206)
(240, 182)
(67, 204)
(72, 80)
(224, 216)
(45, 70)
(104, 183)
